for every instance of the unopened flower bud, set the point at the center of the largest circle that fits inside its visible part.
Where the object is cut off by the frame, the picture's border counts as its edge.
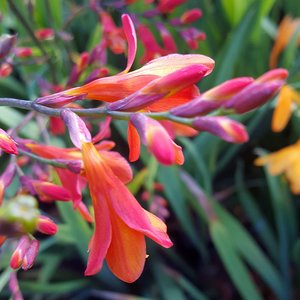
(44, 34)
(229, 130)
(5, 69)
(23, 52)
(30, 255)
(191, 16)
(157, 140)
(46, 225)
(17, 257)
(7, 144)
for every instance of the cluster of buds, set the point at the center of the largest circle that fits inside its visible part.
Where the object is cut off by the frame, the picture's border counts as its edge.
(19, 219)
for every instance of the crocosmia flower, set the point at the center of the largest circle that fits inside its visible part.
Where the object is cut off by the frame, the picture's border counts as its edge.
(287, 98)
(285, 161)
(121, 224)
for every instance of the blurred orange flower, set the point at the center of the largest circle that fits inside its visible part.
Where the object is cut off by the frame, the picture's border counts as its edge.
(284, 107)
(286, 30)
(285, 161)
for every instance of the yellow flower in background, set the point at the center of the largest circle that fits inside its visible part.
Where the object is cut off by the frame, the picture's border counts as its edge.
(285, 161)
(286, 29)
(284, 107)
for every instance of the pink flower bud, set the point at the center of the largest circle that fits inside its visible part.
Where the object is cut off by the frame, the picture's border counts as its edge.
(44, 34)
(23, 52)
(167, 6)
(191, 16)
(60, 99)
(46, 225)
(157, 140)
(30, 255)
(213, 98)
(7, 144)
(253, 96)
(17, 257)
(229, 130)
(5, 69)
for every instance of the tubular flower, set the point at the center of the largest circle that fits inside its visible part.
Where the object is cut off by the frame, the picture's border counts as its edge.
(285, 161)
(156, 138)
(122, 85)
(121, 224)
(284, 107)
(286, 30)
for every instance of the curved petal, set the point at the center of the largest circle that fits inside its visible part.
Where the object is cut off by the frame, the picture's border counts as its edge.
(127, 252)
(118, 165)
(101, 239)
(130, 211)
(122, 201)
(130, 34)
(134, 143)
(283, 110)
(165, 65)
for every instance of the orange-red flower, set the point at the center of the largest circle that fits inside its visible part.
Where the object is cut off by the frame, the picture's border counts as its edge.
(121, 224)
(286, 30)
(284, 107)
(285, 161)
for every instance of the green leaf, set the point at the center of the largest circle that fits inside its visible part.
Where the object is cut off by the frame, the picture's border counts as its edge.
(235, 9)
(234, 265)
(53, 288)
(252, 254)
(169, 177)
(78, 227)
(10, 117)
(263, 229)
(233, 48)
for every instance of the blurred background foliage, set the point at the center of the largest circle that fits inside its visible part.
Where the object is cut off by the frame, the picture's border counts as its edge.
(234, 227)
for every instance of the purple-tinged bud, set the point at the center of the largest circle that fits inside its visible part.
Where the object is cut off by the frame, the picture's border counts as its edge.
(60, 99)
(46, 225)
(275, 74)
(30, 255)
(7, 42)
(160, 88)
(77, 129)
(253, 96)
(17, 257)
(227, 129)
(212, 99)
